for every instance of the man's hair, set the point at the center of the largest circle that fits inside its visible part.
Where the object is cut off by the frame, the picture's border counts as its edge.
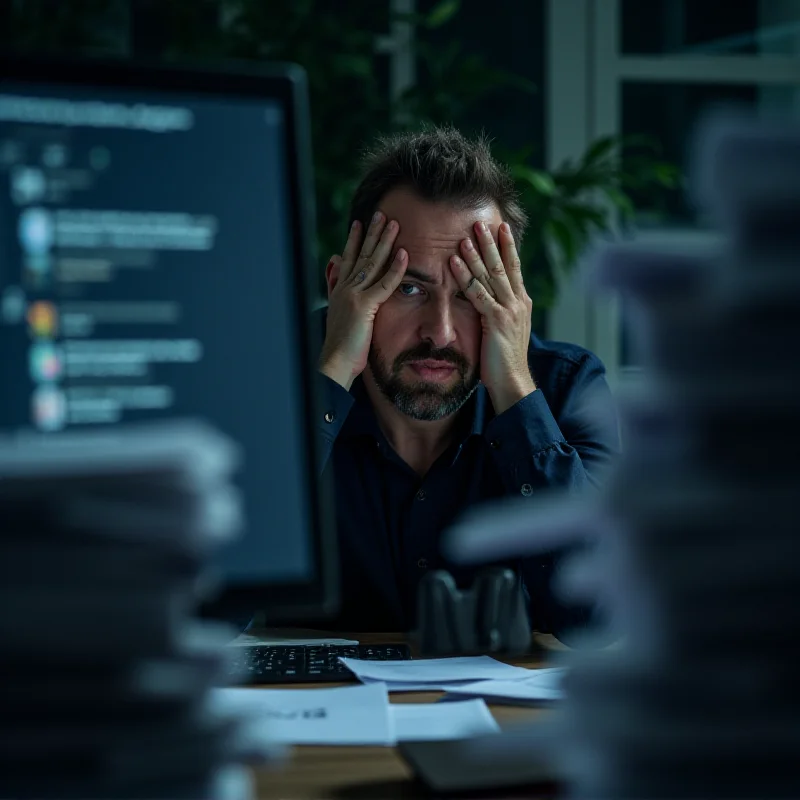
(440, 165)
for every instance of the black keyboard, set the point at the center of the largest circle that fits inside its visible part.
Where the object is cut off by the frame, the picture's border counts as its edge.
(309, 663)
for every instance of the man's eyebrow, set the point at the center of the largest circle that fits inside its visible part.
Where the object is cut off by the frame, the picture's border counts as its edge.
(420, 276)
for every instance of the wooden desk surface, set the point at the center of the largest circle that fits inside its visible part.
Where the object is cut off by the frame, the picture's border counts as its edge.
(370, 772)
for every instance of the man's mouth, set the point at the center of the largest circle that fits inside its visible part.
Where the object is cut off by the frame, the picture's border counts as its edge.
(432, 370)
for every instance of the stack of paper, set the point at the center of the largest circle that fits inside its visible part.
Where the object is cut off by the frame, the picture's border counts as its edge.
(432, 674)
(106, 679)
(697, 557)
(539, 685)
(704, 567)
(352, 715)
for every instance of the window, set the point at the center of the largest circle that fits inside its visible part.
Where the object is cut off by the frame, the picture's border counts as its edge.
(710, 27)
(655, 67)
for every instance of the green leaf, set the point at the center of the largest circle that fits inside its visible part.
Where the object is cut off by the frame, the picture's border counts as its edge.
(354, 66)
(559, 232)
(583, 216)
(621, 201)
(599, 149)
(541, 181)
(667, 175)
(442, 13)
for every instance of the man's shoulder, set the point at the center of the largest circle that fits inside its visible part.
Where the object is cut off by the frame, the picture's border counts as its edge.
(559, 364)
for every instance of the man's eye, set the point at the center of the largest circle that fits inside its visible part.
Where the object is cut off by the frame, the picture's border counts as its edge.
(408, 289)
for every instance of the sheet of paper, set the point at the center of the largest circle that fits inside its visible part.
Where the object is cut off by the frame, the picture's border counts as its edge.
(352, 715)
(539, 685)
(287, 637)
(397, 686)
(418, 722)
(435, 670)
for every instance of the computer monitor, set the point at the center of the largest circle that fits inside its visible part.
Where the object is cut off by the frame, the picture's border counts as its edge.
(156, 233)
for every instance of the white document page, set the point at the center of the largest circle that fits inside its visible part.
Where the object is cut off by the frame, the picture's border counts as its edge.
(540, 684)
(417, 722)
(357, 715)
(286, 637)
(397, 686)
(435, 670)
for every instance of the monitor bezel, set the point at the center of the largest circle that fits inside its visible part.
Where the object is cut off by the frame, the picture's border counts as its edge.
(317, 597)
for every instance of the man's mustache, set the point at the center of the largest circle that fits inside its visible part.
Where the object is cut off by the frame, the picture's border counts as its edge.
(426, 351)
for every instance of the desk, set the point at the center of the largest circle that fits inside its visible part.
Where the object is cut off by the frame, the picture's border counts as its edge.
(371, 772)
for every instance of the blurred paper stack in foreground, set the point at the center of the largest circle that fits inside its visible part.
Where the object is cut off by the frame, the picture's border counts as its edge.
(105, 673)
(703, 700)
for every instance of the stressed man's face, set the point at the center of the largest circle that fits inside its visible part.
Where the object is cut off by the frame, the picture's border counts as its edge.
(426, 343)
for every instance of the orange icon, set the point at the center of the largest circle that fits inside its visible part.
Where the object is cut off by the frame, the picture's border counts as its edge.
(43, 319)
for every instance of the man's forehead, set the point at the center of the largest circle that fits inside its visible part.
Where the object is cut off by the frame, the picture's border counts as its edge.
(436, 225)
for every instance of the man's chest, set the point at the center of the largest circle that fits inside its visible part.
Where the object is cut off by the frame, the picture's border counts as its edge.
(385, 510)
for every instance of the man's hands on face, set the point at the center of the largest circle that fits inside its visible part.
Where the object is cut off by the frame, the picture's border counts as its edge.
(363, 284)
(492, 280)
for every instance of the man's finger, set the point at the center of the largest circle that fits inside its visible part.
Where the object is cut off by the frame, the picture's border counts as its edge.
(508, 250)
(494, 263)
(368, 270)
(350, 252)
(373, 235)
(387, 284)
(472, 258)
(473, 289)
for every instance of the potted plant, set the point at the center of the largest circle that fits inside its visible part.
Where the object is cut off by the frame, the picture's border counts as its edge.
(335, 43)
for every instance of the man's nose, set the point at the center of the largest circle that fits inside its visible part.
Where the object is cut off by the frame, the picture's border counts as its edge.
(437, 324)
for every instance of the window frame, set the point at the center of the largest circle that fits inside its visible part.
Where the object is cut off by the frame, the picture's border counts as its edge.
(585, 72)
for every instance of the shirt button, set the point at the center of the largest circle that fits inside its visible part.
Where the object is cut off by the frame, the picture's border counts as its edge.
(526, 489)
(421, 494)
(329, 416)
(494, 444)
(423, 563)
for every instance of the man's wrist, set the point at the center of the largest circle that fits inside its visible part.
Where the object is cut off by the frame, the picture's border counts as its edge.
(337, 372)
(508, 395)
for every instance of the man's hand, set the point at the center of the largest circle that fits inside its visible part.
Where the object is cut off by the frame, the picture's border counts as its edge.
(363, 284)
(492, 280)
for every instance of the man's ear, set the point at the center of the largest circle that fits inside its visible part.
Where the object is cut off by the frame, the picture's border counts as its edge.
(332, 273)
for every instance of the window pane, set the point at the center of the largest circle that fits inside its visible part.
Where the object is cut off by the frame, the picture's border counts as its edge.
(669, 112)
(720, 27)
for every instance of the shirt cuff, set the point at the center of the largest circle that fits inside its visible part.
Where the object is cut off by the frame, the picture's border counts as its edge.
(334, 404)
(525, 429)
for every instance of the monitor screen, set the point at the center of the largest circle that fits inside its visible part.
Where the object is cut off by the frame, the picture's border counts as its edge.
(149, 269)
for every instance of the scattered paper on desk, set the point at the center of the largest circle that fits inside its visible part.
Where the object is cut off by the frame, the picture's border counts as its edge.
(434, 670)
(286, 637)
(401, 686)
(540, 685)
(417, 722)
(353, 715)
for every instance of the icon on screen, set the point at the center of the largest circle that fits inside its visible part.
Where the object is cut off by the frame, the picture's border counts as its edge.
(36, 230)
(54, 155)
(13, 305)
(38, 270)
(28, 185)
(49, 408)
(42, 319)
(99, 158)
(46, 362)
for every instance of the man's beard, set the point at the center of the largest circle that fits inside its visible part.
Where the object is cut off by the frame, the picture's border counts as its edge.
(423, 400)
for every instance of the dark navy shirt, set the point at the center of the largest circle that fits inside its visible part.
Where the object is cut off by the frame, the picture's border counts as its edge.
(390, 520)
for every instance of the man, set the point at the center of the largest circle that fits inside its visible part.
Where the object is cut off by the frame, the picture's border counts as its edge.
(436, 394)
